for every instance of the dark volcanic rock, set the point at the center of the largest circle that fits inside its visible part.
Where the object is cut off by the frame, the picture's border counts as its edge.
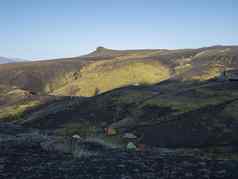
(22, 158)
(30, 161)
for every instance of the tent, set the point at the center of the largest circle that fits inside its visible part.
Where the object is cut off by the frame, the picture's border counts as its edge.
(141, 147)
(76, 136)
(110, 131)
(131, 146)
(129, 136)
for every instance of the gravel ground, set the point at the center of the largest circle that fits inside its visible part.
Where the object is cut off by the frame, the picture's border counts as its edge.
(23, 157)
(30, 161)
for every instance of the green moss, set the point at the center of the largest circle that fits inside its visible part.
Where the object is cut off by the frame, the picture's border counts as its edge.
(182, 68)
(211, 72)
(176, 105)
(232, 110)
(16, 112)
(108, 75)
(183, 103)
(130, 97)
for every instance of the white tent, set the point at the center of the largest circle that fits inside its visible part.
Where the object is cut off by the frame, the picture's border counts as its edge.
(131, 146)
(129, 136)
(76, 136)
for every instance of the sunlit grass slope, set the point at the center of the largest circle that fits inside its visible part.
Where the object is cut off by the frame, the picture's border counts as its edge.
(105, 75)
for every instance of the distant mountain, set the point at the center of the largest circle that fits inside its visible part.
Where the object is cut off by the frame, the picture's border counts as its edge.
(4, 60)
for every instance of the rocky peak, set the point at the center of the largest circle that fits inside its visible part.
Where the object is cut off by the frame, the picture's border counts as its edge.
(100, 49)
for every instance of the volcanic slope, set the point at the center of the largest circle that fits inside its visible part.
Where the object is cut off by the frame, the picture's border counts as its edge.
(170, 114)
(30, 84)
(106, 69)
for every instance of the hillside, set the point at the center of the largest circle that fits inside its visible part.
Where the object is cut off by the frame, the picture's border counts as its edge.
(171, 110)
(27, 85)
(106, 69)
(138, 90)
(70, 116)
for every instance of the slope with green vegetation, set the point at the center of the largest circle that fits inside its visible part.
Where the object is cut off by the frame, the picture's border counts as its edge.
(106, 75)
(73, 76)
(171, 114)
(167, 97)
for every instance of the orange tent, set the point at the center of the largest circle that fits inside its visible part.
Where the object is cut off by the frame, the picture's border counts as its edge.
(141, 147)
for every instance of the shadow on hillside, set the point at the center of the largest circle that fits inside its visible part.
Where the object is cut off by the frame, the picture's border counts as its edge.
(111, 105)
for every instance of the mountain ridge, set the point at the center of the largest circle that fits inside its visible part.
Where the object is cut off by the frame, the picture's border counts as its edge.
(84, 75)
(31, 84)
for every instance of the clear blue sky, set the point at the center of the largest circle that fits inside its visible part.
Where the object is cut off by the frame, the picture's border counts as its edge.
(41, 29)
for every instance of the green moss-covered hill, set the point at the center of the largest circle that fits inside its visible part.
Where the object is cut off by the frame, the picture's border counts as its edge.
(105, 69)
(166, 97)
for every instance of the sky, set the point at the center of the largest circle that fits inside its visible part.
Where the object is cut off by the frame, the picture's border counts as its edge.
(45, 29)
